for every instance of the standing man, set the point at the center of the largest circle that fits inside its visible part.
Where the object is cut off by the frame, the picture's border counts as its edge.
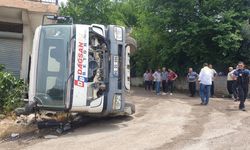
(191, 78)
(235, 88)
(146, 80)
(151, 78)
(230, 81)
(157, 78)
(242, 78)
(171, 78)
(164, 80)
(214, 75)
(205, 80)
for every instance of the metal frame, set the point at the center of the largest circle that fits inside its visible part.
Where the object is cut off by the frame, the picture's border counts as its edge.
(55, 17)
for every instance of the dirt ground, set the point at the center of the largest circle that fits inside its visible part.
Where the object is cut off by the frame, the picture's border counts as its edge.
(160, 123)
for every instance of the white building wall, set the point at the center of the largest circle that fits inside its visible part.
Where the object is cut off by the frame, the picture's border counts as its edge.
(30, 14)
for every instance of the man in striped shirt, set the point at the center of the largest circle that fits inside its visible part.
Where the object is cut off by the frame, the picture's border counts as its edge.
(192, 78)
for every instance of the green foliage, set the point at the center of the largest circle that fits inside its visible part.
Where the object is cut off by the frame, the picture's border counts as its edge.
(183, 33)
(1, 67)
(101, 12)
(175, 33)
(87, 11)
(11, 91)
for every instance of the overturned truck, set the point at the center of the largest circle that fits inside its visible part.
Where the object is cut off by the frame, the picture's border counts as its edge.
(80, 68)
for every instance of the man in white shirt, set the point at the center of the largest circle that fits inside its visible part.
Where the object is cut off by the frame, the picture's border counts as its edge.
(205, 79)
(157, 78)
(230, 81)
(214, 75)
(146, 76)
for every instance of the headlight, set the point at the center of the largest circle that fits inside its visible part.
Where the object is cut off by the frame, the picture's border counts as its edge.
(118, 33)
(117, 102)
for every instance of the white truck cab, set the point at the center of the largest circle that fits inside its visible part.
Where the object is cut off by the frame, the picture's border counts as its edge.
(79, 68)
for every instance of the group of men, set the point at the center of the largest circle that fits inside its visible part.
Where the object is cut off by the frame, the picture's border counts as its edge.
(237, 83)
(160, 77)
(192, 77)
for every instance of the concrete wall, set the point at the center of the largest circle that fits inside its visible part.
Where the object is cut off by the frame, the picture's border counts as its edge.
(27, 44)
(30, 5)
(181, 84)
(220, 84)
(136, 81)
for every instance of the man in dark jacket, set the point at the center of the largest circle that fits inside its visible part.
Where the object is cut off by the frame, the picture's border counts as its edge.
(242, 78)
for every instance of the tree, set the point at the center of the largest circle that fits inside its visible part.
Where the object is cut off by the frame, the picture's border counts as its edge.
(88, 11)
(174, 33)
(190, 33)
(101, 12)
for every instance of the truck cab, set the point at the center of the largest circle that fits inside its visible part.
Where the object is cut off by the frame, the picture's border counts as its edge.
(80, 68)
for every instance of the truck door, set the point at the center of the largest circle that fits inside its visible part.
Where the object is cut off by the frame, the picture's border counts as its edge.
(50, 67)
(89, 86)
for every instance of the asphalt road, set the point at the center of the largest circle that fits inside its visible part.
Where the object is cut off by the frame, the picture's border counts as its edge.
(160, 122)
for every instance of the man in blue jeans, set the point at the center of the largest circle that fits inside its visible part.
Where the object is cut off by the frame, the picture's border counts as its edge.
(205, 80)
(157, 78)
(242, 80)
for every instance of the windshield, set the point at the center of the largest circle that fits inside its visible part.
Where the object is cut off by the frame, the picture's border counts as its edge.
(52, 65)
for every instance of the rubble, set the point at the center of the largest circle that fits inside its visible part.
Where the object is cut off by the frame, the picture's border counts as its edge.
(14, 135)
(44, 123)
(2, 116)
(31, 119)
(50, 136)
(21, 120)
(19, 111)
